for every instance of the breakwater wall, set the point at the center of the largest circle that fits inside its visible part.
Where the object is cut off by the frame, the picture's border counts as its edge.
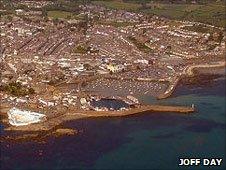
(51, 123)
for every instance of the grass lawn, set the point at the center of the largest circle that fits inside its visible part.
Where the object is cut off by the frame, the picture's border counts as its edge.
(139, 45)
(59, 14)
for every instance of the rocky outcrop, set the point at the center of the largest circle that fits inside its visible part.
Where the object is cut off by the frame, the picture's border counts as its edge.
(61, 132)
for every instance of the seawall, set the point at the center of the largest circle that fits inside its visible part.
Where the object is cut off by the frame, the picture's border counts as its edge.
(49, 124)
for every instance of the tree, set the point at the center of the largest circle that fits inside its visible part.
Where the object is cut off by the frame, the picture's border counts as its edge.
(55, 21)
(44, 13)
(85, 2)
(84, 24)
(96, 18)
(9, 18)
(143, 4)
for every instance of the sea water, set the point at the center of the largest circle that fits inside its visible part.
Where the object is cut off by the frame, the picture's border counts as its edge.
(147, 141)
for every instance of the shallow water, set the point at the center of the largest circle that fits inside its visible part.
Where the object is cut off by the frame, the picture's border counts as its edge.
(147, 141)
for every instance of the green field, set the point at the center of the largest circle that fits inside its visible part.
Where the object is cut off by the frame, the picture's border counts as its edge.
(59, 14)
(211, 13)
(118, 5)
(64, 15)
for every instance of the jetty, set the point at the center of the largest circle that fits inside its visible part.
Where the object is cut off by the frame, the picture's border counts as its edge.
(141, 109)
(190, 69)
(188, 72)
(170, 89)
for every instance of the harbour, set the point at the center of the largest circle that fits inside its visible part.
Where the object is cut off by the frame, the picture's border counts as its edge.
(105, 142)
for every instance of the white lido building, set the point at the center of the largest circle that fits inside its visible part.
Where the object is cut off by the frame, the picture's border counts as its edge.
(19, 117)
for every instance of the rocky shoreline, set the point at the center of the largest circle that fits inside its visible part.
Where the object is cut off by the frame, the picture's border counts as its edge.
(50, 126)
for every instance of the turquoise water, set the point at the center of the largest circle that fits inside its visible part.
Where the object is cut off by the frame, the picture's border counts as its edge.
(147, 141)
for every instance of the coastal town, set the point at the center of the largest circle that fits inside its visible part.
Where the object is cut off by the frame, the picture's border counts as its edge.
(99, 60)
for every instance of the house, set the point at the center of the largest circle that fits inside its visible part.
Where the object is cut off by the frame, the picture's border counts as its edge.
(115, 68)
(19, 11)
